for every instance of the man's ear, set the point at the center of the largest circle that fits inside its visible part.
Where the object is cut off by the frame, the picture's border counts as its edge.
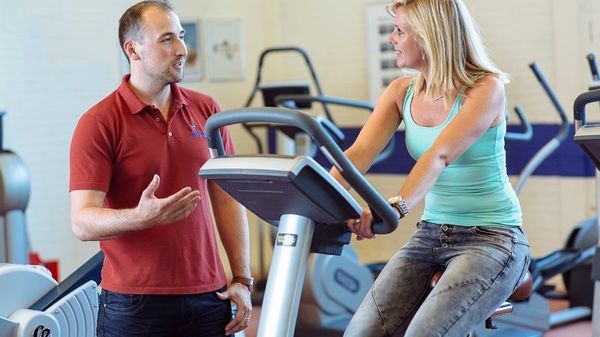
(130, 49)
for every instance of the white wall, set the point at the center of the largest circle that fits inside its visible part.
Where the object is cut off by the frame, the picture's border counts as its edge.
(58, 58)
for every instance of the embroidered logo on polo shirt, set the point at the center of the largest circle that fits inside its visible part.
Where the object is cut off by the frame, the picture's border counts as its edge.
(196, 133)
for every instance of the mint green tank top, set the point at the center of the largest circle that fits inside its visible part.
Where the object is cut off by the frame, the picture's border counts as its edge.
(474, 190)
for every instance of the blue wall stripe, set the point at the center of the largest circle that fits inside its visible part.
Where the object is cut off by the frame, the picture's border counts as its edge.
(567, 161)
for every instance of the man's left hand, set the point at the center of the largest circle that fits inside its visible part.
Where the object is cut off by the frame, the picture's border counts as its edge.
(239, 295)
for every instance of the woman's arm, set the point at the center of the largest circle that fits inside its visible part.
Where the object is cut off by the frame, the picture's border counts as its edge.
(378, 129)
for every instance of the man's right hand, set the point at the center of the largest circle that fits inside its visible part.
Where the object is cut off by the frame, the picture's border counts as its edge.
(155, 211)
(91, 221)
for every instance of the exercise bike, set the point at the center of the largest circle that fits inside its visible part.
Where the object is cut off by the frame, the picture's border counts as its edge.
(298, 196)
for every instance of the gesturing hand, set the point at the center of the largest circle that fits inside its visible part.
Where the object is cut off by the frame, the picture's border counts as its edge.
(154, 211)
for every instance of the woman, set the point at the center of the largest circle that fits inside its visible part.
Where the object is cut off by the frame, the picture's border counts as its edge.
(454, 113)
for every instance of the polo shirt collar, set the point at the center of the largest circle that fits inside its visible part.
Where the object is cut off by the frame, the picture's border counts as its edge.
(178, 98)
(136, 105)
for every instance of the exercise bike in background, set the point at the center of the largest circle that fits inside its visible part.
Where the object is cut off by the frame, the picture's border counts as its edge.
(587, 136)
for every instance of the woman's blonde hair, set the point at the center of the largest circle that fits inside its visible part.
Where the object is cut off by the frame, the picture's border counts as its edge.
(452, 45)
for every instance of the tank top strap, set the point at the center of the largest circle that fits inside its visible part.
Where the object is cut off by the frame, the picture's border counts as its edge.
(410, 91)
(411, 87)
(462, 90)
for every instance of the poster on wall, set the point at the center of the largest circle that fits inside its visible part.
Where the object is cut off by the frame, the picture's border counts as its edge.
(225, 50)
(381, 56)
(193, 63)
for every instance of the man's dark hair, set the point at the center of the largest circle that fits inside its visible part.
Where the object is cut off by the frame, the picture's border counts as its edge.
(130, 23)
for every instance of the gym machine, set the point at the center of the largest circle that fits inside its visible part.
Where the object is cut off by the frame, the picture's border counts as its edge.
(14, 196)
(32, 302)
(298, 196)
(587, 136)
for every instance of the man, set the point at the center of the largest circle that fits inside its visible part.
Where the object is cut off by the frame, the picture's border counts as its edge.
(134, 185)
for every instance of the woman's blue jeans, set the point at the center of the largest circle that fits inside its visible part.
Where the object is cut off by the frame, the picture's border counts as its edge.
(483, 267)
(199, 315)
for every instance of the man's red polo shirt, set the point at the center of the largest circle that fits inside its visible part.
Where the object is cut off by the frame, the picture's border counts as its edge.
(117, 147)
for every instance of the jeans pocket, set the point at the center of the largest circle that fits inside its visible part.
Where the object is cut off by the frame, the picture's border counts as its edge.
(494, 236)
(495, 233)
(118, 303)
(493, 230)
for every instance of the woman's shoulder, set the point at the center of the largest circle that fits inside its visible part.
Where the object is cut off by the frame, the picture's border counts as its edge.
(489, 79)
(398, 87)
(487, 84)
(403, 82)
(394, 95)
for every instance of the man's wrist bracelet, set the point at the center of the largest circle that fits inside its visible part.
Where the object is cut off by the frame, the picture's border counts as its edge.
(247, 281)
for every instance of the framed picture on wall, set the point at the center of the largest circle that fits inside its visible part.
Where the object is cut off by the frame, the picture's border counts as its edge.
(225, 49)
(193, 64)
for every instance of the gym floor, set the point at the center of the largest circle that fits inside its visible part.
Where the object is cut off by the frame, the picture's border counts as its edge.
(578, 329)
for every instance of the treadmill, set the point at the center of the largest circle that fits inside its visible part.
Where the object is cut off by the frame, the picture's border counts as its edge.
(587, 136)
(297, 195)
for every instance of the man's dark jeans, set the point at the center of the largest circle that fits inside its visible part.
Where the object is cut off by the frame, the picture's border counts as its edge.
(200, 315)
